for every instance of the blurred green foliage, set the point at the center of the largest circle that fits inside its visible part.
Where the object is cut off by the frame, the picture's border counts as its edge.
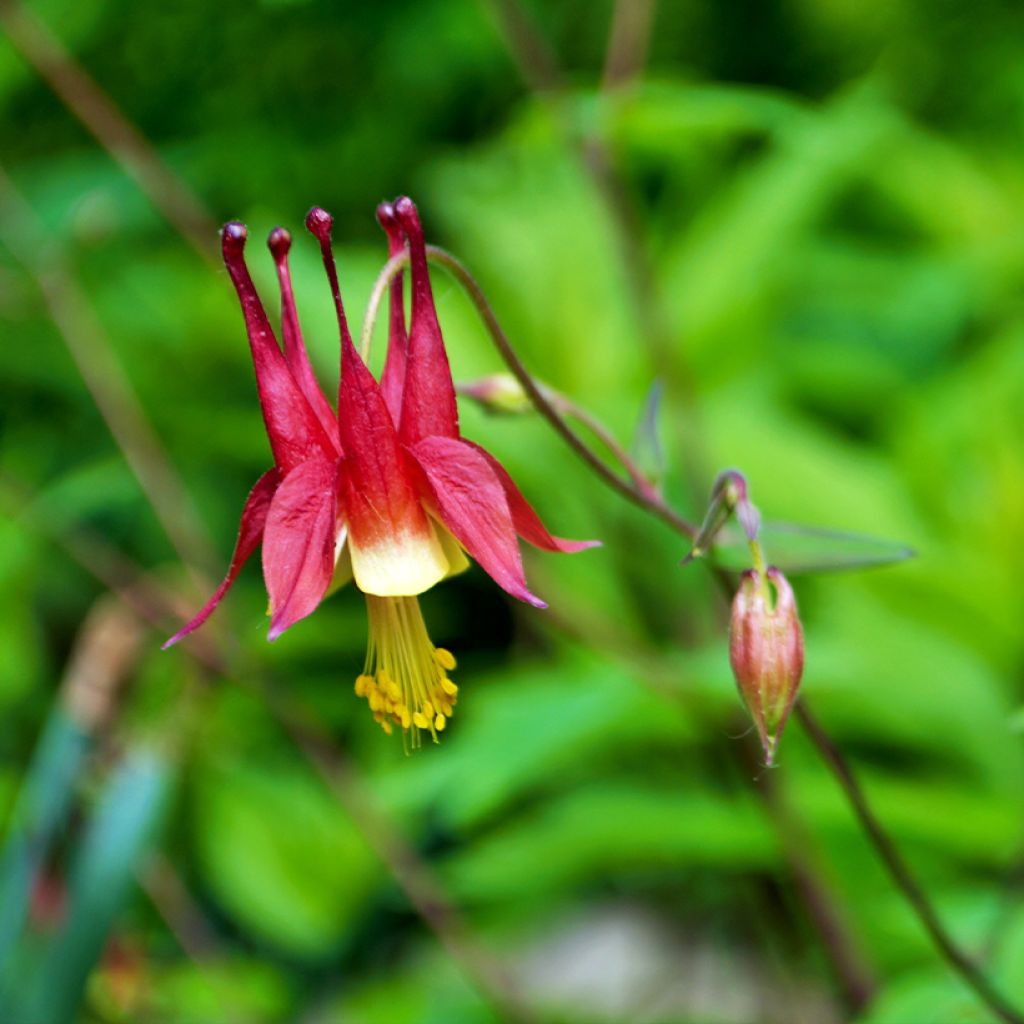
(830, 195)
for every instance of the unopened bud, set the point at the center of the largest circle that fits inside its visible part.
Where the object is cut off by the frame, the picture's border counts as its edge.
(766, 649)
(498, 393)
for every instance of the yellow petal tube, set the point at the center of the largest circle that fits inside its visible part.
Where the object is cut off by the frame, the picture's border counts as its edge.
(405, 679)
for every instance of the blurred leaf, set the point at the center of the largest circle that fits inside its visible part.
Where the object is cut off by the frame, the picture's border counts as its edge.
(550, 720)
(604, 831)
(809, 549)
(102, 877)
(647, 448)
(281, 856)
(40, 811)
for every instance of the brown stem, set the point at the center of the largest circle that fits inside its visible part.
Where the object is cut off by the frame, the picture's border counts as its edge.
(653, 503)
(569, 408)
(900, 871)
(114, 132)
(158, 607)
(413, 876)
(883, 843)
(628, 41)
(104, 377)
(539, 67)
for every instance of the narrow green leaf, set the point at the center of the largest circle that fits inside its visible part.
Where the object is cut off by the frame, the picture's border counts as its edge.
(810, 549)
(102, 877)
(40, 811)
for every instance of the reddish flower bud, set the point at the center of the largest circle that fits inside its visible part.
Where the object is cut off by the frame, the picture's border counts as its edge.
(766, 649)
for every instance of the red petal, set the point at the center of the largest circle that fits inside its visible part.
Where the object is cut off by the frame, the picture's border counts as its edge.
(382, 506)
(471, 502)
(298, 543)
(527, 523)
(254, 516)
(295, 353)
(392, 380)
(294, 431)
(428, 403)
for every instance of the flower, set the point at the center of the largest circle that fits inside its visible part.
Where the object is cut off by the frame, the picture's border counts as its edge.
(387, 493)
(766, 650)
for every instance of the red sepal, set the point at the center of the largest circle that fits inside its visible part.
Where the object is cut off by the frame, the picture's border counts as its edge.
(254, 516)
(294, 431)
(381, 500)
(298, 543)
(295, 354)
(526, 521)
(470, 501)
(428, 402)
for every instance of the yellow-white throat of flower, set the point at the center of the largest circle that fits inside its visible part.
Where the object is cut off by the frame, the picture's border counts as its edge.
(405, 679)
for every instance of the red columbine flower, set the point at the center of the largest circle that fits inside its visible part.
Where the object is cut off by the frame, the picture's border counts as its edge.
(387, 492)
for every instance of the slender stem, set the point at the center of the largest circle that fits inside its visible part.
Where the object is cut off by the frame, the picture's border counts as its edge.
(103, 118)
(388, 273)
(540, 69)
(413, 875)
(93, 354)
(568, 407)
(900, 871)
(415, 878)
(647, 498)
(884, 845)
(628, 41)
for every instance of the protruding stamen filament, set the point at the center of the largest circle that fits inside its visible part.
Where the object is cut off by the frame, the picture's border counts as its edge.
(405, 679)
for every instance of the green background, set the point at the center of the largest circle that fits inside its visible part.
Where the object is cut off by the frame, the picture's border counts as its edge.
(826, 198)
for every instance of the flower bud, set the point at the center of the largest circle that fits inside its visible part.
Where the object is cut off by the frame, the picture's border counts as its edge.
(766, 649)
(499, 393)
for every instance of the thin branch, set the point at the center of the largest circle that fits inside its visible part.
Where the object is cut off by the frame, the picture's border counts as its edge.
(93, 354)
(884, 845)
(854, 977)
(412, 874)
(651, 502)
(115, 133)
(157, 606)
(628, 42)
(561, 403)
(539, 67)
(900, 871)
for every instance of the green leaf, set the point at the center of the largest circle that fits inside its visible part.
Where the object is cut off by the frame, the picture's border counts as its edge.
(281, 856)
(801, 549)
(102, 878)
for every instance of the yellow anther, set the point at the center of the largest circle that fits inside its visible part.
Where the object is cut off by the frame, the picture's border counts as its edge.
(405, 681)
(444, 658)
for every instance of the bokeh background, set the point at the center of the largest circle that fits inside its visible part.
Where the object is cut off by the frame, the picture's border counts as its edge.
(802, 217)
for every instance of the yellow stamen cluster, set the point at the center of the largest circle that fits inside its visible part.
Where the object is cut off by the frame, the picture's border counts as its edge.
(405, 679)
